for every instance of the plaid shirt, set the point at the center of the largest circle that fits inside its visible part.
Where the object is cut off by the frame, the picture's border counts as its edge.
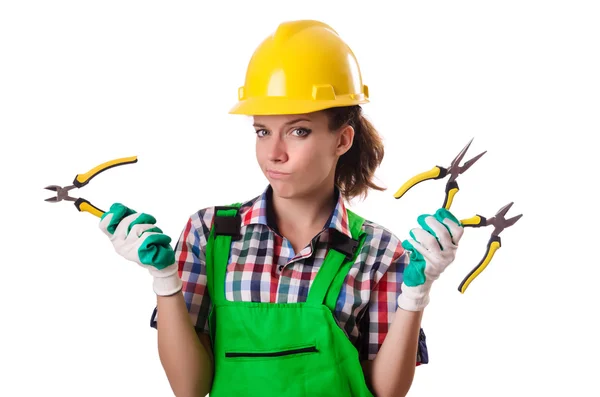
(265, 268)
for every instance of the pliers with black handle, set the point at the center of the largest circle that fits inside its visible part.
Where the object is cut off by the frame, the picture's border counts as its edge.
(439, 172)
(62, 193)
(494, 243)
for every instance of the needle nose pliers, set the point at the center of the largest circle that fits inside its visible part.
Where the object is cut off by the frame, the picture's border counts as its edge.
(438, 172)
(62, 193)
(500, 223)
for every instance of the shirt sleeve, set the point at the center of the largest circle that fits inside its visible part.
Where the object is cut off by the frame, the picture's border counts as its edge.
(382, 307)
(191, 259)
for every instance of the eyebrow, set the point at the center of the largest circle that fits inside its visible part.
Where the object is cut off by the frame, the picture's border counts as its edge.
(288, 123)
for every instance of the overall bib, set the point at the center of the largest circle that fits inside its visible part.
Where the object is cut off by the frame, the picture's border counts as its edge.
(282, 349)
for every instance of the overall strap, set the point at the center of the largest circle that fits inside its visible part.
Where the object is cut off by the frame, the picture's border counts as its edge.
(225, 228)
(327, 285)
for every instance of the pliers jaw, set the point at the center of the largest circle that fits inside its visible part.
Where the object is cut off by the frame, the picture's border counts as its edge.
(456, 169)
(62, 193)
(500, 222)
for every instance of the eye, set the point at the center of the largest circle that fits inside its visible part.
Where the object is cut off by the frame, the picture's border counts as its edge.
(302, 131)
(261, 133)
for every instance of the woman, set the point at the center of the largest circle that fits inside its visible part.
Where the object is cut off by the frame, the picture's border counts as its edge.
(290, 293)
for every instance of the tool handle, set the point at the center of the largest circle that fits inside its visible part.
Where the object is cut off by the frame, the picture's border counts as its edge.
(493, 245)
(436, 172)
(84, 205)
(451, 190)
(475, 221)
(83, 179)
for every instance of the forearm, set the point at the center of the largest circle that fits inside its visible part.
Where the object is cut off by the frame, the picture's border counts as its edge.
(186, 362)
(393, 369)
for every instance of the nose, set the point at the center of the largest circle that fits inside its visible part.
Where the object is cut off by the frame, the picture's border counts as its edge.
(277, 151)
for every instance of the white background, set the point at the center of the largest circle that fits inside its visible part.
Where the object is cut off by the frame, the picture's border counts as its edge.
(85, 82)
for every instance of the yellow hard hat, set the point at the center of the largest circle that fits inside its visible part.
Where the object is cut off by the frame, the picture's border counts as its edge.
(303, 67)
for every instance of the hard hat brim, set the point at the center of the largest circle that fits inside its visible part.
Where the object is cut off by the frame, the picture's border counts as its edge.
(275, 106)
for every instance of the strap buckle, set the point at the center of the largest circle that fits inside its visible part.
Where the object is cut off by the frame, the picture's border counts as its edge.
(342, 243)
(227, 225)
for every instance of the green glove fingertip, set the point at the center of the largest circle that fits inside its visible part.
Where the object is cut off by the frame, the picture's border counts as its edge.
(414, 254)
(142, 219)
(155, 229)
(119, 212)
(443, 213)
(424, 225)
(156, 251)
(114, 208)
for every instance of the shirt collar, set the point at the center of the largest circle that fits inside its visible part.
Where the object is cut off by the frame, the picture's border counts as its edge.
(261, 213)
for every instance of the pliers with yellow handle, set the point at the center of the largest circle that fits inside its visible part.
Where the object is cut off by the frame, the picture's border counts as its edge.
(439, 172)
(62, 193)
(500, 223)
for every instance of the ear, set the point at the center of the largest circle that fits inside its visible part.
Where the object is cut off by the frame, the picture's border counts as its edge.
(345, 139)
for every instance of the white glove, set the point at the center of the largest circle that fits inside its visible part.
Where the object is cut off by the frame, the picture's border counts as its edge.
(432, 248)
(135, 237)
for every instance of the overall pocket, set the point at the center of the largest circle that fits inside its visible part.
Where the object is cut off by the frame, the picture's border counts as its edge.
(277, 353)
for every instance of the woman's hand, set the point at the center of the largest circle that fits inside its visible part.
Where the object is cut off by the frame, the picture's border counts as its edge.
(432, 248)
(136, 238)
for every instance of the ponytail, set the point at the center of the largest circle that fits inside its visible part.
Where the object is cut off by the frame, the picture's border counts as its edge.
(356, 168)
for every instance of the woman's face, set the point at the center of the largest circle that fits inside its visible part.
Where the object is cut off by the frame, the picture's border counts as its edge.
(298, 153)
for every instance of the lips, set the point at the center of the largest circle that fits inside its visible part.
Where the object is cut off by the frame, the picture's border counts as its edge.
(276, 174)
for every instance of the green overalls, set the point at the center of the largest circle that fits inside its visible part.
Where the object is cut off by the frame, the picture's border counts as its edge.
(282, 349)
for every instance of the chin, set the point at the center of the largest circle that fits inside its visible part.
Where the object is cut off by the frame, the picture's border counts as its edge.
(288, 190)
(283, 190)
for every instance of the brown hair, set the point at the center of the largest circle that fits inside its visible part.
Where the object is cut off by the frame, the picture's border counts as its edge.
(355, 169)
